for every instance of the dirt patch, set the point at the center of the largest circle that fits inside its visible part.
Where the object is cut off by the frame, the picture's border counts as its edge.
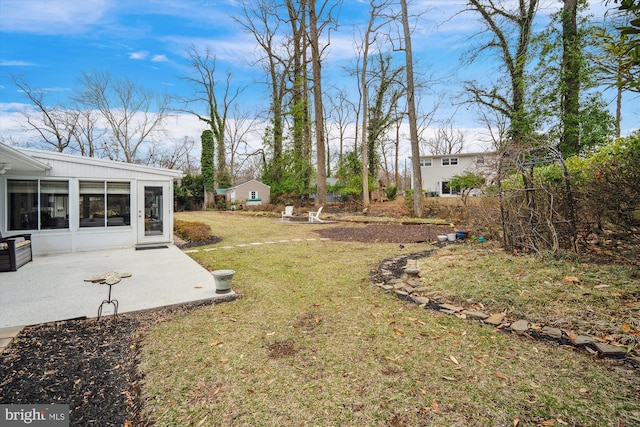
(281, 349)
(385, 233)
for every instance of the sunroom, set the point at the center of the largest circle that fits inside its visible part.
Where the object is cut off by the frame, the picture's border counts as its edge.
(71, 203)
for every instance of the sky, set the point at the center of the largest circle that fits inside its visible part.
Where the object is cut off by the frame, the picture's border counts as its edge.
(50, 43)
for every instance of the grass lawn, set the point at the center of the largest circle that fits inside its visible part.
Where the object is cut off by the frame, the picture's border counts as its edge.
(313, 342)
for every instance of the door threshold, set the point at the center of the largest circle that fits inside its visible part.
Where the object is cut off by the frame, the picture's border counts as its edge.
(151, 246)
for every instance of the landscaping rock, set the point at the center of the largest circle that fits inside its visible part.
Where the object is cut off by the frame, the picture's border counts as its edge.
(495, 319)
(420, 300)
(520, 326)
(583, 340)
(552, 332)
(412, 272)
(475, 315)
(453, 308)
(414, 283)
(609, 350)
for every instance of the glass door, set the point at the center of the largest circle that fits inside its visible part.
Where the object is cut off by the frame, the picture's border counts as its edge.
(153, 212)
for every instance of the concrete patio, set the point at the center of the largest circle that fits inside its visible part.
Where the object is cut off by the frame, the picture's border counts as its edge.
(53, 287)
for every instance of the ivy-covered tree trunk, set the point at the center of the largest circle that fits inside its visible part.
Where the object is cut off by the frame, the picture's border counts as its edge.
(570, 86)
(208, 169)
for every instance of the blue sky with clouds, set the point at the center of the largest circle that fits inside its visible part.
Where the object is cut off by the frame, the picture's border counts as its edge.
(51, 42)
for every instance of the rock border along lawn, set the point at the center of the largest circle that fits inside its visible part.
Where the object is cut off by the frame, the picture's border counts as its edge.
(401, 276)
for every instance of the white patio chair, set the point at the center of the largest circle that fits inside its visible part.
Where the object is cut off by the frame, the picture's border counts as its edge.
(287, 213)
(315, 216)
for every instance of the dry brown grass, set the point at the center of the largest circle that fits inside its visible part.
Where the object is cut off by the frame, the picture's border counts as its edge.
(313, 342)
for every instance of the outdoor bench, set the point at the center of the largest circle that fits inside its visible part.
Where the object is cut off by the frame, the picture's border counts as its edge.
(15, 252)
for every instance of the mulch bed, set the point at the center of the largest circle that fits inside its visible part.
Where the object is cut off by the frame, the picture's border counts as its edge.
(88, 364)
(386, 233)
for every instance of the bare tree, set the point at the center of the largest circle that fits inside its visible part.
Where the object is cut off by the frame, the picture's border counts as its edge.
(509, 31)
(178, 155)
(411, 108)
(89, 134)
(55, 124)
(316, 66)
(257, 18)
(377, 20)
(239, 131)
(343, 111)
(447, 140)
(133, 114)
(217, 108)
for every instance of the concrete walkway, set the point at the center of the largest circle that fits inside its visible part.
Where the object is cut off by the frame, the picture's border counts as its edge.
(52, 288)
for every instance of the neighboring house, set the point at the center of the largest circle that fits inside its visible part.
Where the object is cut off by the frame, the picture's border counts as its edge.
(437, 171)
(70, 203)
(249, 193)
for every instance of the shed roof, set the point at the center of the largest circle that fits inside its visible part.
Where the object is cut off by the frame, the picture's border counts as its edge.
(246, 182)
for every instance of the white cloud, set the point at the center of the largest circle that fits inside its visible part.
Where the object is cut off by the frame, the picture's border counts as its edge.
(160, 58)
(52, 16)
(138, 55)
(16, 64)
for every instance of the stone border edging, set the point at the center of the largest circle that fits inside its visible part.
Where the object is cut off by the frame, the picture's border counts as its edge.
(410, 288)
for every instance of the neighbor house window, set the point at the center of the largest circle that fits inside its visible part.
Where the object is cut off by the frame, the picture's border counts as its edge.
(35, 204)
(105, 204)
(446, 189)
(480, 160)
(449, 161)
(253, 195)
(425, 162)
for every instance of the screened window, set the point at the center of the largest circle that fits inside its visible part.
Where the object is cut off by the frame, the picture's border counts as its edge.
(425, 162)
(37, 204)
(105, 204)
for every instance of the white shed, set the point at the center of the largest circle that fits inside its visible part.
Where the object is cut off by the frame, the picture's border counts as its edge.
(249, 193)
(70, 203)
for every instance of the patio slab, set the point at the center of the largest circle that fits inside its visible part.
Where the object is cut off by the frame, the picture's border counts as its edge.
(52, 288)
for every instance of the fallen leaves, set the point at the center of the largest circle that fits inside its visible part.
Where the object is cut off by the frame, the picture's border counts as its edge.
(501, 376)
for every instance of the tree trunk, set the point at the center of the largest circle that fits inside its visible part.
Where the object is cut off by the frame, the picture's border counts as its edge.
(570, 143)
(321, 194)
(411, 107)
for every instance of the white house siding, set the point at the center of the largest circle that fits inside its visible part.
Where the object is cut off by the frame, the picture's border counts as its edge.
(433, 176)
(74, 169)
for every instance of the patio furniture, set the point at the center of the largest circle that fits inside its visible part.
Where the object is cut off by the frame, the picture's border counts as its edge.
(15, 251)
(287, 213)
(315, 216)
